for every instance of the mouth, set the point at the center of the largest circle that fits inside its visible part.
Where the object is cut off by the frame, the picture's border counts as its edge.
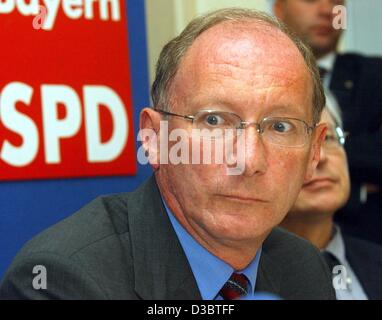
(322, 30)
(241, 198)
(319, 183)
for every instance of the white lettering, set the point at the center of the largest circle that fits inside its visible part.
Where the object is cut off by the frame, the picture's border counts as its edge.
(52, 8)
(19, 123)
(73, 8)
(89, 12)
(115, 11)
(27, 9)
(99, 151)
(55, 128)
(108, 10)
(340, 19)
(40, 281)
(7, 6)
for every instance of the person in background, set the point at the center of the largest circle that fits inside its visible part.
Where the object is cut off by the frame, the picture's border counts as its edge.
(194, 231)
(356, 82)
(312, 217)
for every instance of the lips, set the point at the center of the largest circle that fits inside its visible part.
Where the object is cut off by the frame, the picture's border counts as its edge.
(319, 183)
(323, 30)
(241, 198)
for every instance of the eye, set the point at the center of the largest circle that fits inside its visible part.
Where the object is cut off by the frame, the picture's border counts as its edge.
(282, 126)
(214, 120)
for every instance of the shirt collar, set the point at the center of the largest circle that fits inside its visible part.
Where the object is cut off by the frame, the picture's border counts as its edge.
(336, 245)
(327, 62)
(210, 272)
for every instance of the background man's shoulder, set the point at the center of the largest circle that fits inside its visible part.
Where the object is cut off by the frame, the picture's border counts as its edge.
(363, 250)
(365, 258)
(371, 64)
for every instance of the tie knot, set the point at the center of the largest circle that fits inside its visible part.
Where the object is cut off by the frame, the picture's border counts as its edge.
(236, 286)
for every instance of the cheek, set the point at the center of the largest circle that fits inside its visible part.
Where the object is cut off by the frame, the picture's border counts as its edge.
(345, 183)
(287, 177)
(193, 183)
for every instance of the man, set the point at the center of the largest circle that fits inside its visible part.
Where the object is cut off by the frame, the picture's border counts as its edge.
(355, 81)
(312, 218)
(193, 231)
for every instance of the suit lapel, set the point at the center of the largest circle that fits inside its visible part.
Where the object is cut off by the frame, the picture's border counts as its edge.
(161, 268)
(269, 273)
(362, 260)
(268, 277)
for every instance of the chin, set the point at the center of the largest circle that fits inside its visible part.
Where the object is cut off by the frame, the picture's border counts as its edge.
(322, 45)
(326, 207)
(244, 227)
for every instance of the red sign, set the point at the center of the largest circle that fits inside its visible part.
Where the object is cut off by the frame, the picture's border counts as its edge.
(65, 91)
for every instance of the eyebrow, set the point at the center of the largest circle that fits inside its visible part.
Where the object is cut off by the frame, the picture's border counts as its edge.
(285, 108)
(272, 110)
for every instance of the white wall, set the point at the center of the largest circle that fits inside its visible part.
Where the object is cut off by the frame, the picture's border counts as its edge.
(364, 33)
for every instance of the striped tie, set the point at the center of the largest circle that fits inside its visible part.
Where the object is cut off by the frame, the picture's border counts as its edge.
(237, 286)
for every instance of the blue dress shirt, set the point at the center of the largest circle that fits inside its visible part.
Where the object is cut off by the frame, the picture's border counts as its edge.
(210, 272)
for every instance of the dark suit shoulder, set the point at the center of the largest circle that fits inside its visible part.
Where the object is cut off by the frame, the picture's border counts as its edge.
(365, 258)
(365, 250)
(361, 58)
(86, 256)
(282, 243)
(101, 218)
(299, 266)
(367, 66)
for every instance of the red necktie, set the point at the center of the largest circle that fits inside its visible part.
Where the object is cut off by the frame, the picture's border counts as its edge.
(237, 286)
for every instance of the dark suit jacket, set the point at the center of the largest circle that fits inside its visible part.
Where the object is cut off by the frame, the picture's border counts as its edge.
(124, 247)
(365, 258)
(357, 84)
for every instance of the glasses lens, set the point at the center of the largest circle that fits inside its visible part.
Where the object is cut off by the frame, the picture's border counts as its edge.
(216, 124)
(284, 131)
(335, 137)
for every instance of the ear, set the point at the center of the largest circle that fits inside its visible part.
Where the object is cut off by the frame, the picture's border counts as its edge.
(314, 158)
(149, 126)
(278, 9)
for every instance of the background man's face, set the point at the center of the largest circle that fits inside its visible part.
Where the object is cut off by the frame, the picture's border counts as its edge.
(312, 20)
(253, 71)
(329, 188)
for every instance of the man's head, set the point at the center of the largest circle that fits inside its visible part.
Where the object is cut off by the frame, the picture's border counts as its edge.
(244, 63)
(329, 188)
(312, 20)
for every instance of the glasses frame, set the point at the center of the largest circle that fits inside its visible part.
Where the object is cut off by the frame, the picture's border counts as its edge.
(340, 136)
(243, 124)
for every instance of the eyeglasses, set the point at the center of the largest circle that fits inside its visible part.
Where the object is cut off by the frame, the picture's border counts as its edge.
(212, 124)
(335, 137)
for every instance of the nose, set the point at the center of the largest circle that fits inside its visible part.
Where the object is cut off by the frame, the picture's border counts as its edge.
(326, 8)
(255, 152)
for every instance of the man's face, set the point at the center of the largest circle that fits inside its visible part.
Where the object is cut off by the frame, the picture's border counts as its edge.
(329, 187)
(312, 20)
(255, 72)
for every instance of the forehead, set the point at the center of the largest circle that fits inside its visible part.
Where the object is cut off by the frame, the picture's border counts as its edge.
(244, 44)
(240, 56)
